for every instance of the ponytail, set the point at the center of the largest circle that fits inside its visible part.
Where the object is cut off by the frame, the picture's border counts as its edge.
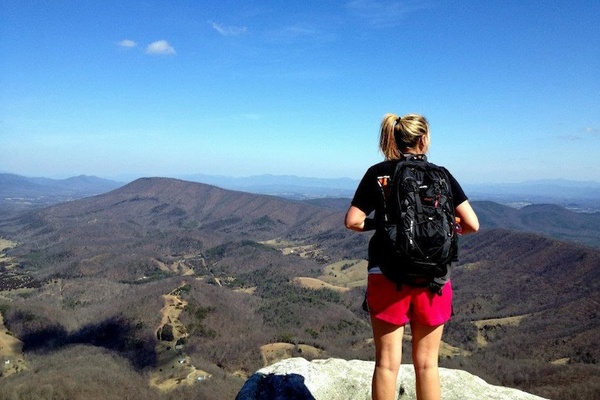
(387, 140)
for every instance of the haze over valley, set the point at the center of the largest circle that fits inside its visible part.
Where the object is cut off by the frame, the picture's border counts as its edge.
(21, 191)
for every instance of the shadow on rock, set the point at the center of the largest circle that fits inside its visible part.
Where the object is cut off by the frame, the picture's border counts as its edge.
(275, 387)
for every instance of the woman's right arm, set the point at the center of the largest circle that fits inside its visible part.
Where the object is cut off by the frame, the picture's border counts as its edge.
(468, 219)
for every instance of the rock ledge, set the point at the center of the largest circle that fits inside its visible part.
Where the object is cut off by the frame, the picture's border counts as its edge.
(330, 379)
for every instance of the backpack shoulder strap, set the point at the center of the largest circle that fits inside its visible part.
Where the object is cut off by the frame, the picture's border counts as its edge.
(412, 157)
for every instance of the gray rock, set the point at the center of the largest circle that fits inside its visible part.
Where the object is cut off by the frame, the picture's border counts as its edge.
(299, 379)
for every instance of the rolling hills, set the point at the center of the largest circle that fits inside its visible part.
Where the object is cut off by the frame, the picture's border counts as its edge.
(247, 266)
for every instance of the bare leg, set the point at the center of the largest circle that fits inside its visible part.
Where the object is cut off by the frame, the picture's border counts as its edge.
(388, 354)
(425, 349)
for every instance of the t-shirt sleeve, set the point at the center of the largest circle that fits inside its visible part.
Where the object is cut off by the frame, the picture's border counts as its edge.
(458, 194)
(363, 197)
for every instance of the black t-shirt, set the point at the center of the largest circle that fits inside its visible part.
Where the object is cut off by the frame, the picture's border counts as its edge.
(373, 189)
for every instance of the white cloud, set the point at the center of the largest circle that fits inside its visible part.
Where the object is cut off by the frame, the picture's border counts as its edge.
(160, 47)
(229, 30)
(127, 43)
(592, 131)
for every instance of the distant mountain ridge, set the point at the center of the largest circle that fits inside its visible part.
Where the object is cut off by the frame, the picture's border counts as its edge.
(19, 191)
(559, 191)
(547, 219)
(16, 184)
(576, 195)
(289, 186)
(579, 196)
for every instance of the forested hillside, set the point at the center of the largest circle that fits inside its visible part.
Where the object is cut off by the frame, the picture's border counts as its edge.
(527, 309)
(175, 289)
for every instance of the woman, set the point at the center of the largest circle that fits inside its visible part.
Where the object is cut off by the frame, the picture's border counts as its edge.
(390, 309)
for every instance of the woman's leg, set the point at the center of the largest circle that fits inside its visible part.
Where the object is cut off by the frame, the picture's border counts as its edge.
(388, 354)
(425, 351)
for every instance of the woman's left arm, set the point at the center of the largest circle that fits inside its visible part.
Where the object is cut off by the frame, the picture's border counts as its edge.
(355, 219)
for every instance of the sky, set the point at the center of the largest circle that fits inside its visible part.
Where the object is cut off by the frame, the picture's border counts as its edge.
(118, 89)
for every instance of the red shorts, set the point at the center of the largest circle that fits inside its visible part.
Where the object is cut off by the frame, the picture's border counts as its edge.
(410, 303)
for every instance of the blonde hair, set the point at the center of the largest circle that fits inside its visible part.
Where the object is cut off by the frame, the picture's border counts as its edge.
(399, 134)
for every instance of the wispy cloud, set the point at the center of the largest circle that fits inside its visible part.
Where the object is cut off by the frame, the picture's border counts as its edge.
(292, 33)
(229, 30)
(160, 47)
(298, 30)
(305, 34)
(595, 132)
(384, 13)
(127, 43)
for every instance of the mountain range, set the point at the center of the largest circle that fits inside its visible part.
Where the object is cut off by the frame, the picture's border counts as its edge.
(581, 196)
(18, 191)
(237, 280)
(576, 195)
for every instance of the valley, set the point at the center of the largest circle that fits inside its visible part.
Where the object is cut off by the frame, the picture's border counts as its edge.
(173, 364)
(183, 290)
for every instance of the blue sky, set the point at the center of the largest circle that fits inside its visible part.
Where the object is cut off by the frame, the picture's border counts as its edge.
(239, 88)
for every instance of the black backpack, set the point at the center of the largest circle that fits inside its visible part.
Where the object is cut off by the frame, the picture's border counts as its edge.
(418, 229)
